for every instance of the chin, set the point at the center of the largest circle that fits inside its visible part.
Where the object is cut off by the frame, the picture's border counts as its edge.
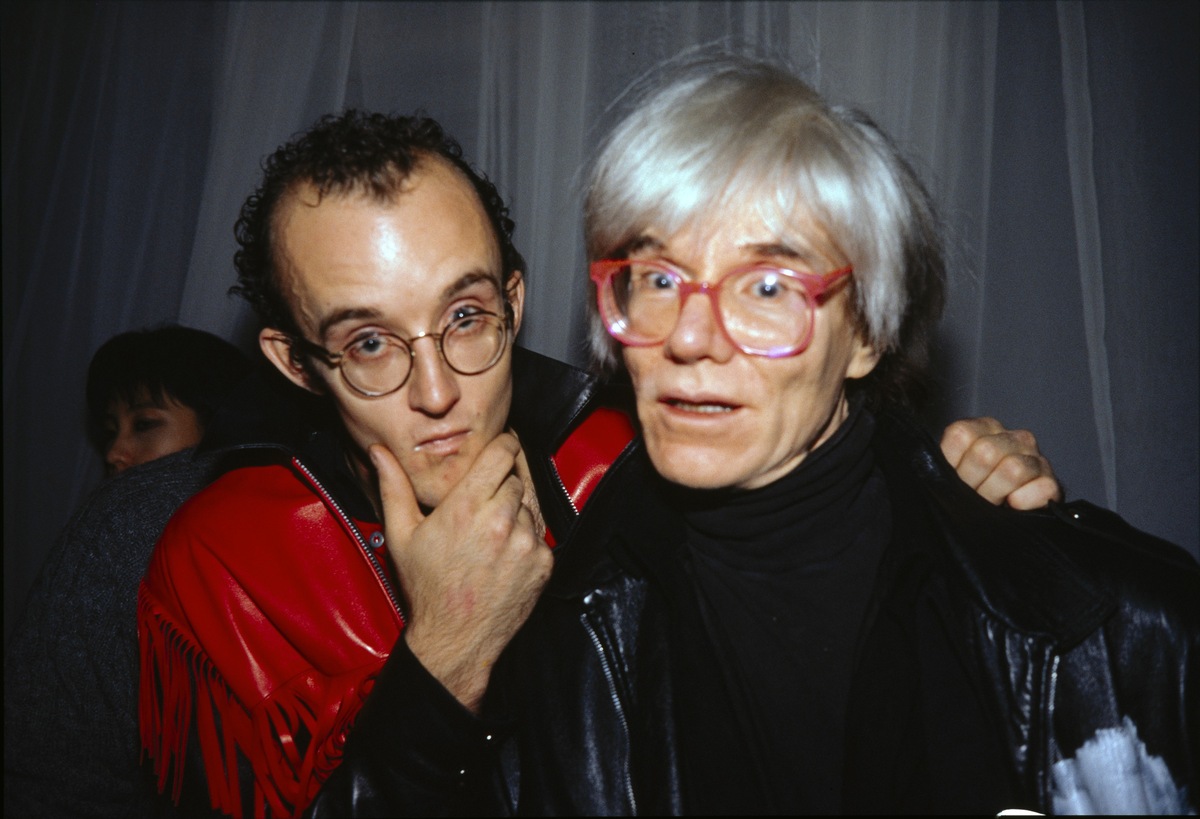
(429, 497)
(430, 489)
(695, 468)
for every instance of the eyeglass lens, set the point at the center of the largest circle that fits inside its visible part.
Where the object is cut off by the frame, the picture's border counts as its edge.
(761, 309)
(381, 364)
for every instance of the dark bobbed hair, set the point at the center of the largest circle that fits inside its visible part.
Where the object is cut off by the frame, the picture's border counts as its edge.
(355, 152)
(191, 367)
(712, 130)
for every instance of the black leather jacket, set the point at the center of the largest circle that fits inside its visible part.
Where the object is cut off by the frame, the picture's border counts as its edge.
(1068, 621)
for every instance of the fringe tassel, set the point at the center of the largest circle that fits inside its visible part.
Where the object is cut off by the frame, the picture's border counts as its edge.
(181, 687)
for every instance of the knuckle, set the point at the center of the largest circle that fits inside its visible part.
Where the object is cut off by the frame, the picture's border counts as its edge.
(989, 450)
(1025, 440)
(497, 528)
(958, 434)
(1016, 468)
(988, 425)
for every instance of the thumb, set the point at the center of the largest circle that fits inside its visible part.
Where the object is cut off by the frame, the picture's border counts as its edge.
(530, 499)
(521, 467)
(401, 514)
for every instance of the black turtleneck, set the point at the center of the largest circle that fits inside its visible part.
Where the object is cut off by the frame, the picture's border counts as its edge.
(777, 584)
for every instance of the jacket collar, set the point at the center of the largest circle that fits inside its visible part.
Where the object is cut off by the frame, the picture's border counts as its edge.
(549, 398)
(266, 410)
(626, 528)
(267, 416)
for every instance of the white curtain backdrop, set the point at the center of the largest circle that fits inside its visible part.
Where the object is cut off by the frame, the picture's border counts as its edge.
(1060, 141)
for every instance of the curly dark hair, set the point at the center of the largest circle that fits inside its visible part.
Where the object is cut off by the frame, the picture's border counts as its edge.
(355, 151)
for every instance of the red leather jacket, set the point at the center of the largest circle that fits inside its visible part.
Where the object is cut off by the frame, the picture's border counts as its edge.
(268, 608)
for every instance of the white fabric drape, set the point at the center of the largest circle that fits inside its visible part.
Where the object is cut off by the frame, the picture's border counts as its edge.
(1060, 141)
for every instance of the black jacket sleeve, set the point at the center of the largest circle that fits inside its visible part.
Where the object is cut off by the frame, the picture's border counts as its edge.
(415, 751)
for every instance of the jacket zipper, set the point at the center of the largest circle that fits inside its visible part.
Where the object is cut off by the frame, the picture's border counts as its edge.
(364, 547)
(563, 487)
(606, 667)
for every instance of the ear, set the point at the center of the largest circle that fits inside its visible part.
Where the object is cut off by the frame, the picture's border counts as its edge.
(278, 350)
(863, 359)
(515, 294)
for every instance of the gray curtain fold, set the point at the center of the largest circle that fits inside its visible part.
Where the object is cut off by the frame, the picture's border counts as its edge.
(1060, 141)
(1077, 101)
(280, 66)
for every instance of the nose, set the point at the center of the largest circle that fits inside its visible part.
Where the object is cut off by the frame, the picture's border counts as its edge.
(433, 386)
(119, 456)
(697, 333)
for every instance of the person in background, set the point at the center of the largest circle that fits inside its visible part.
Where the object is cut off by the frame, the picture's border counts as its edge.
(382, 269)
(781, 600)
(151, 392)
(70, 665)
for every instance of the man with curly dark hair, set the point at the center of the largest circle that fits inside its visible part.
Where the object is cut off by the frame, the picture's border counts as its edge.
(367, 153)
(382, 268)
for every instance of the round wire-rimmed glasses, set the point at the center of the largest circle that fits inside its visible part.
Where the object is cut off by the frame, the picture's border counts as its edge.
(380, 363)
(766, 311)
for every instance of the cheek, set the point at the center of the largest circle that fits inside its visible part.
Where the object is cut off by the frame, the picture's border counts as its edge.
(170, 439)
(190, 430)
(640, 371)
(368, 423)
(639, 363)
(489, 396)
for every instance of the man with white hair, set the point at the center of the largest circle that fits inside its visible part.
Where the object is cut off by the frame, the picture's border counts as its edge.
(781, 600)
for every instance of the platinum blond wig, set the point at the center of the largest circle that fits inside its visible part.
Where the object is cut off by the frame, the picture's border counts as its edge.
(715, 133)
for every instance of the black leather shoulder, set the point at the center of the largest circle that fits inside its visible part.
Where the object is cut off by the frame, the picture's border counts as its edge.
(1058, 572)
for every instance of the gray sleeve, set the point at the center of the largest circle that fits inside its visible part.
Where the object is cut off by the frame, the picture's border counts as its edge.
(71, 663)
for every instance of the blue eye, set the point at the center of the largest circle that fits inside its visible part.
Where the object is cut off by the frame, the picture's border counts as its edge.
(767, 287)
(651, 280)
(464, 320)
(369, 347)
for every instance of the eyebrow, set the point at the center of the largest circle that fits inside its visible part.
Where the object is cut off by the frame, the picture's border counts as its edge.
(469, 279)
(642, 242)
(782, 250)
(345, 314)
(460, 284)
(777, 249)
